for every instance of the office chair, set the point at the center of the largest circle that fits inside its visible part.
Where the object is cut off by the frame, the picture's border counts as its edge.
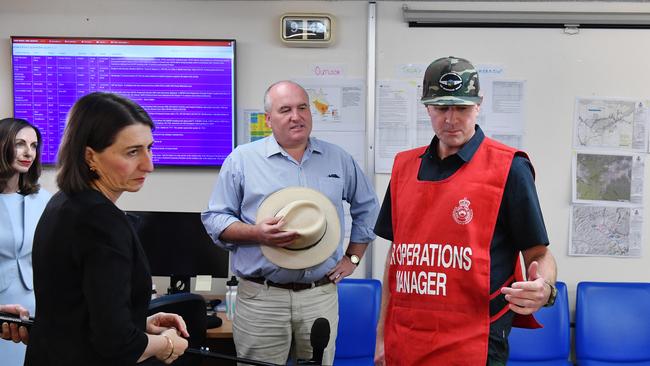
(192, 308)
(547, 346)
(359, 303)
(613, 324)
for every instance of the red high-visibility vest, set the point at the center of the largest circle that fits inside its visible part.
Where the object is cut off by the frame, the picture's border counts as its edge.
(439, 271)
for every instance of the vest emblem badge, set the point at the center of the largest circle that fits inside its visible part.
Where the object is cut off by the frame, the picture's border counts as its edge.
(462, 214)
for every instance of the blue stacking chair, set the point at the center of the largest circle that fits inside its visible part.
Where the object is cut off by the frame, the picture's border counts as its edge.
(547, 346)
(613, 324)
(359, 303)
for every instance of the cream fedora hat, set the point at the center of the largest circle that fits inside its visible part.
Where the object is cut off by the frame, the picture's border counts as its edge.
(312, 215)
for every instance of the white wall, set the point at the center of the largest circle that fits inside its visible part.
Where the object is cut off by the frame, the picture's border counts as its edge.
(586, 62)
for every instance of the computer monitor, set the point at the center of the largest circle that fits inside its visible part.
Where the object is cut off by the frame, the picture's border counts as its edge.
(178, 246)
(186, 85)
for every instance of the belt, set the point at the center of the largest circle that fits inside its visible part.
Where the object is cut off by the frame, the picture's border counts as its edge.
(294, 286)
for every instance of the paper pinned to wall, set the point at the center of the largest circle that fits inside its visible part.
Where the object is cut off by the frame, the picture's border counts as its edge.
(203, 283)
(502, 110)
(610, 123)
(255, 119)
(336, 104)
(402, 122)
(606, 231)
(395, 118)
(608, 178)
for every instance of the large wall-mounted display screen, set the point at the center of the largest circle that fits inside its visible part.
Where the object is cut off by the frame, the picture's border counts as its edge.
(186, 86)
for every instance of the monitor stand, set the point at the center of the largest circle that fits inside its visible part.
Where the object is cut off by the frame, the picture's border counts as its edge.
(178, 284)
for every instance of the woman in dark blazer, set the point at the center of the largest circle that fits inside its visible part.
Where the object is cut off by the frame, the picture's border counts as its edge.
(91, 276)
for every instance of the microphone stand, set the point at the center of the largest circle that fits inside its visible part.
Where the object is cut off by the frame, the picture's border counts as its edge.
(319, 337)
(205, 352)
(311, 362)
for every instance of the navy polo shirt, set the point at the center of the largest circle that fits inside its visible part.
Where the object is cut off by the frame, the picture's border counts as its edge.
(519, 225)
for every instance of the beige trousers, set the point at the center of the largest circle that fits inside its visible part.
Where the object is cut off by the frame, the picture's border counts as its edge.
(268, 319)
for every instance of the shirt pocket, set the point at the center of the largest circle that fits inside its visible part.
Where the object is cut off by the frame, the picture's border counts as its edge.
(332, 188)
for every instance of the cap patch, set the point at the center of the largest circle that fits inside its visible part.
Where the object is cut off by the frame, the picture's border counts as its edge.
(450, 82)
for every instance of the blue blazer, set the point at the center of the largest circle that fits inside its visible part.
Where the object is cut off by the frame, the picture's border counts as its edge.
(17, 262)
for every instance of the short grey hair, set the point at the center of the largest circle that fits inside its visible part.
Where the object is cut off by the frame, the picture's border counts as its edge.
(267, 98)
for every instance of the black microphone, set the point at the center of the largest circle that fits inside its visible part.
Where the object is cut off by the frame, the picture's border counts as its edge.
(319, 337)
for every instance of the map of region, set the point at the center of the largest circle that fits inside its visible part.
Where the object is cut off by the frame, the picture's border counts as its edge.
(603, 177)
(609, 123)
(325, 104)
(603, 231)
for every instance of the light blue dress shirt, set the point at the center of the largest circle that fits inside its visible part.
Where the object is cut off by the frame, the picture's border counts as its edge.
(255, 170)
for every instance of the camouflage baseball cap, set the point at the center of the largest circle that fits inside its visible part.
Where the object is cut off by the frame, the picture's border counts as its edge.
(450, 81)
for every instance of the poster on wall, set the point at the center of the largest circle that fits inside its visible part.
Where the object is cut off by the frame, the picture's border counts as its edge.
(608, 178)
(606, 231)
(337, 104)
(256, 121)
(395, 116)
(610, 123)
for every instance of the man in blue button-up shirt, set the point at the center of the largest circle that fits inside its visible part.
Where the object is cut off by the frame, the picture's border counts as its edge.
(272, 306)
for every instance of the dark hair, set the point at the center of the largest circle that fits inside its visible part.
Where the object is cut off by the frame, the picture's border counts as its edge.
(27, 182)
(94, 121)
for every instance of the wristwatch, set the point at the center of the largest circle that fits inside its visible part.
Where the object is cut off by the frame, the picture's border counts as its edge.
(552, 296)
(353, 258)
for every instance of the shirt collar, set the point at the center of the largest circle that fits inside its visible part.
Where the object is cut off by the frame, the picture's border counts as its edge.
(315, 145)
(272, 146)
(465, 153)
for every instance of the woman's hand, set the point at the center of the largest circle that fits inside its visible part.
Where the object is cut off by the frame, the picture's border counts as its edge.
(13, 331)
(160, 322)
(175, 346)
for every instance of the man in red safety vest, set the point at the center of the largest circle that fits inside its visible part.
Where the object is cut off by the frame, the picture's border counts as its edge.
(458, 213)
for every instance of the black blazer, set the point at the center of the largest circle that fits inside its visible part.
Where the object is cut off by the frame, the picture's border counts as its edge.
(92, 285)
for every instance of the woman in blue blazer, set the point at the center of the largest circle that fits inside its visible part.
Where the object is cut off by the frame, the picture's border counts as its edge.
(21, 204)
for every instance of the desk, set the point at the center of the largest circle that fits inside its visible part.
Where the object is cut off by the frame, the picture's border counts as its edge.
(222, 332)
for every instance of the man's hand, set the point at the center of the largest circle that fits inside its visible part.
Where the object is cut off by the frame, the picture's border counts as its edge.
(526, 297)
(343, 268)
(269, 232)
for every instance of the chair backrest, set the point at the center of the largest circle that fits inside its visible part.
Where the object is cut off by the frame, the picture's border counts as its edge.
(613, 323)
(192, 308)
(548, 345)
(359, 303)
